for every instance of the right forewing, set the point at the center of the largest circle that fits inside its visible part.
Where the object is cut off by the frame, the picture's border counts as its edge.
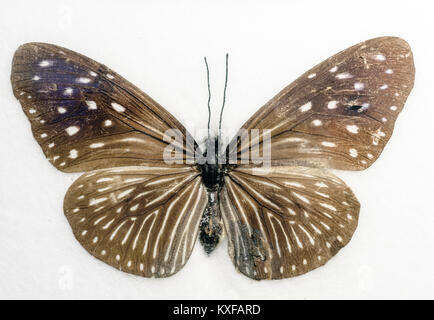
(341, 113)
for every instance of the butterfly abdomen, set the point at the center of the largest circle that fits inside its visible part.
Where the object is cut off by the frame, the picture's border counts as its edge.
(211, 225)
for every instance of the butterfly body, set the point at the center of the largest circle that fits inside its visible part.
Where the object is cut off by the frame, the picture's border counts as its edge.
(141, 214)
(212, 173)
(211, 224)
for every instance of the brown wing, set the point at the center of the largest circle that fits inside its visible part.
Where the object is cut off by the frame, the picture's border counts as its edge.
(141, 220)
(341, 113)
(287, 221)
(86, 116)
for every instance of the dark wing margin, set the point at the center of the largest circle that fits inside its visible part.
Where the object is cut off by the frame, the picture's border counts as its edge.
(141, 220)
(84, 115)
(286, 221)
(341, 113)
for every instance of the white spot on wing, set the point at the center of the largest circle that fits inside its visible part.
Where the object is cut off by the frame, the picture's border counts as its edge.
(328, 144)
(359, 86)
(96, 145)
(118, 107)
(45, 63)
(91, 105)
(72, 130)
(73, 154)
(353, 153)
(83, 80)
(68, 91)
(334, 69)
(353, 128)
(306, 107)
(344, 75)
(332, 104)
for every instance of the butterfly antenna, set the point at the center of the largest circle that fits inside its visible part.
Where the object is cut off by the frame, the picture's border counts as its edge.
(224, 97)
(209, 94)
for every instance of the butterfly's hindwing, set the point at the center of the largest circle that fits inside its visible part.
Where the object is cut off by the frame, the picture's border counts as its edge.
(341, 113)
(86, 116)
(142, 220)
(287, 221)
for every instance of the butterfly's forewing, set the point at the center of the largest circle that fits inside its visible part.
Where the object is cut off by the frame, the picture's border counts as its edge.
(286, 221)
(341, 113)
(86, 116)
(142, 220)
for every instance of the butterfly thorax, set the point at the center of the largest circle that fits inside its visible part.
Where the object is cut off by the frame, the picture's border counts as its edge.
(212, 172)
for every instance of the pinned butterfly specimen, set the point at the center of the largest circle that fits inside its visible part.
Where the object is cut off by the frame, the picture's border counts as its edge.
(141, 215)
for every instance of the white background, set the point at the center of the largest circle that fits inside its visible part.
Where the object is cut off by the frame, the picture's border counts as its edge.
(160, 48)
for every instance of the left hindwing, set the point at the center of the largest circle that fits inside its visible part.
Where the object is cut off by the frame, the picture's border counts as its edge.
(287, 221)
(341, 113)
(141, 220)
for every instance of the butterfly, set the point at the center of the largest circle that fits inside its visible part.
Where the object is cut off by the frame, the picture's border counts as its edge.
(137, 213)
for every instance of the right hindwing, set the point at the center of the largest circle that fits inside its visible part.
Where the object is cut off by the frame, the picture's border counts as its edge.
(286, 221)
